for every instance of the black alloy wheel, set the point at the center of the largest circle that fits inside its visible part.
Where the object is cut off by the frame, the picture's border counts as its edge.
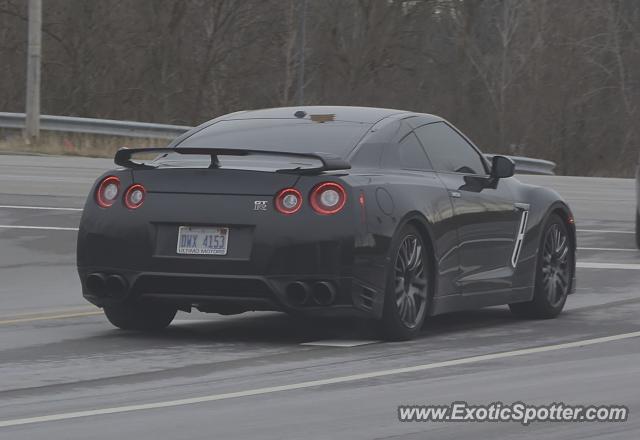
(555, 265)
(554, 273)
(407, 296)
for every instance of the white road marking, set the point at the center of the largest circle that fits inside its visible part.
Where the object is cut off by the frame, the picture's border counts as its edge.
(607, 249)
(341, 342)
(48, 317)
(605, 232)
(45, 228)
(588, 265)
(315, 383)
(43, 312)
(44, 208)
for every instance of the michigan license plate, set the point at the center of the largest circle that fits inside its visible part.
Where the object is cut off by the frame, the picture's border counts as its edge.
(202, 241)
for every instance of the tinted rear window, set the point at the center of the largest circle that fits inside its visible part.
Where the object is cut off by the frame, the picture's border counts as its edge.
(289, 135)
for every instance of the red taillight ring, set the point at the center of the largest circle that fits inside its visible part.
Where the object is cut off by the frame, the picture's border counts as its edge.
(100, 199)
(280, 201)
(127, 196)
(316, 193)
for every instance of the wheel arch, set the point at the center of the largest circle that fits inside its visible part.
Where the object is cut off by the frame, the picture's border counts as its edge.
(562, 210)
(420, 222)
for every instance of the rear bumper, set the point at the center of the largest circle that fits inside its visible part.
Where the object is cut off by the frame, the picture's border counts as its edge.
(258, 279)
(228, 294)
(266, 252)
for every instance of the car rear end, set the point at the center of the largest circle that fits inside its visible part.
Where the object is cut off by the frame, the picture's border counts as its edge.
(221, 239)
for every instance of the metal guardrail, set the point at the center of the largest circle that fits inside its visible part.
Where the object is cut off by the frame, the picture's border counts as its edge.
(528, 165)
(524, 165)
(96, 126)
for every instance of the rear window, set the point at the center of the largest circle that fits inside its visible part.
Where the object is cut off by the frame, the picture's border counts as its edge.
(255, 162)
(287, 135)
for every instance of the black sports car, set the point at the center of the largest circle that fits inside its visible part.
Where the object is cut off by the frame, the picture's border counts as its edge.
(381, 213)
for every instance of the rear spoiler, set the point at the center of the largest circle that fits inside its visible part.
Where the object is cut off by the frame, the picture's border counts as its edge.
(329, 162)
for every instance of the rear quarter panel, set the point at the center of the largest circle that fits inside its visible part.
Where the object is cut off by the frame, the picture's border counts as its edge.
(392, 200)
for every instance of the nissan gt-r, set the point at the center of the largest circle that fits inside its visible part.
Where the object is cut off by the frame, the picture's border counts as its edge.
(385, 214)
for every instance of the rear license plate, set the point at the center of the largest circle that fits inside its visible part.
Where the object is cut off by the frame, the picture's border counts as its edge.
(202, 241)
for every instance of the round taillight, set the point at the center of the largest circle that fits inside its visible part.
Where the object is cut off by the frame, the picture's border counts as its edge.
(328, 198)
(107, 192)
(134, 197)
(288, 201)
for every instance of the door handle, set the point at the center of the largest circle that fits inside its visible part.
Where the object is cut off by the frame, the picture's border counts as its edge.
(455, 194)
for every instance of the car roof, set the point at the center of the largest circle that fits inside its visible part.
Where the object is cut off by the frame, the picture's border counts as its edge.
(342, 113)
(336, 139)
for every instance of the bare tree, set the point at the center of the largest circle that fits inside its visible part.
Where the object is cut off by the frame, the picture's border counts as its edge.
(558, 80)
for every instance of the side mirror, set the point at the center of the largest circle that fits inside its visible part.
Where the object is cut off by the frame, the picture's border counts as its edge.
(502, 167)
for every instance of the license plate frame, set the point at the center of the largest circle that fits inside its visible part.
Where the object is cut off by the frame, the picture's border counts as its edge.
(205, 238)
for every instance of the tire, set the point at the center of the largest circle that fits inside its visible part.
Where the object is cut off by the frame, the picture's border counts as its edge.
(408, 290)
(140, 316)
(554, 273)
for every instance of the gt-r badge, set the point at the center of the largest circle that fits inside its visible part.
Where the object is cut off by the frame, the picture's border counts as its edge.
(260, 205)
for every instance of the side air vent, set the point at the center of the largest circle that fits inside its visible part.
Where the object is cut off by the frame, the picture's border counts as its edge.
(519, 238)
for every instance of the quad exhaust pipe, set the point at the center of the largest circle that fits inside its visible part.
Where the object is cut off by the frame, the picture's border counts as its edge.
(116, 285)
(298, 293)
(96, 282)
(301, 293)
(109, 285)
(324, 293)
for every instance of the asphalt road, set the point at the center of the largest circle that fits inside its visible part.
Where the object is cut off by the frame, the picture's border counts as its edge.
(264, 375)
